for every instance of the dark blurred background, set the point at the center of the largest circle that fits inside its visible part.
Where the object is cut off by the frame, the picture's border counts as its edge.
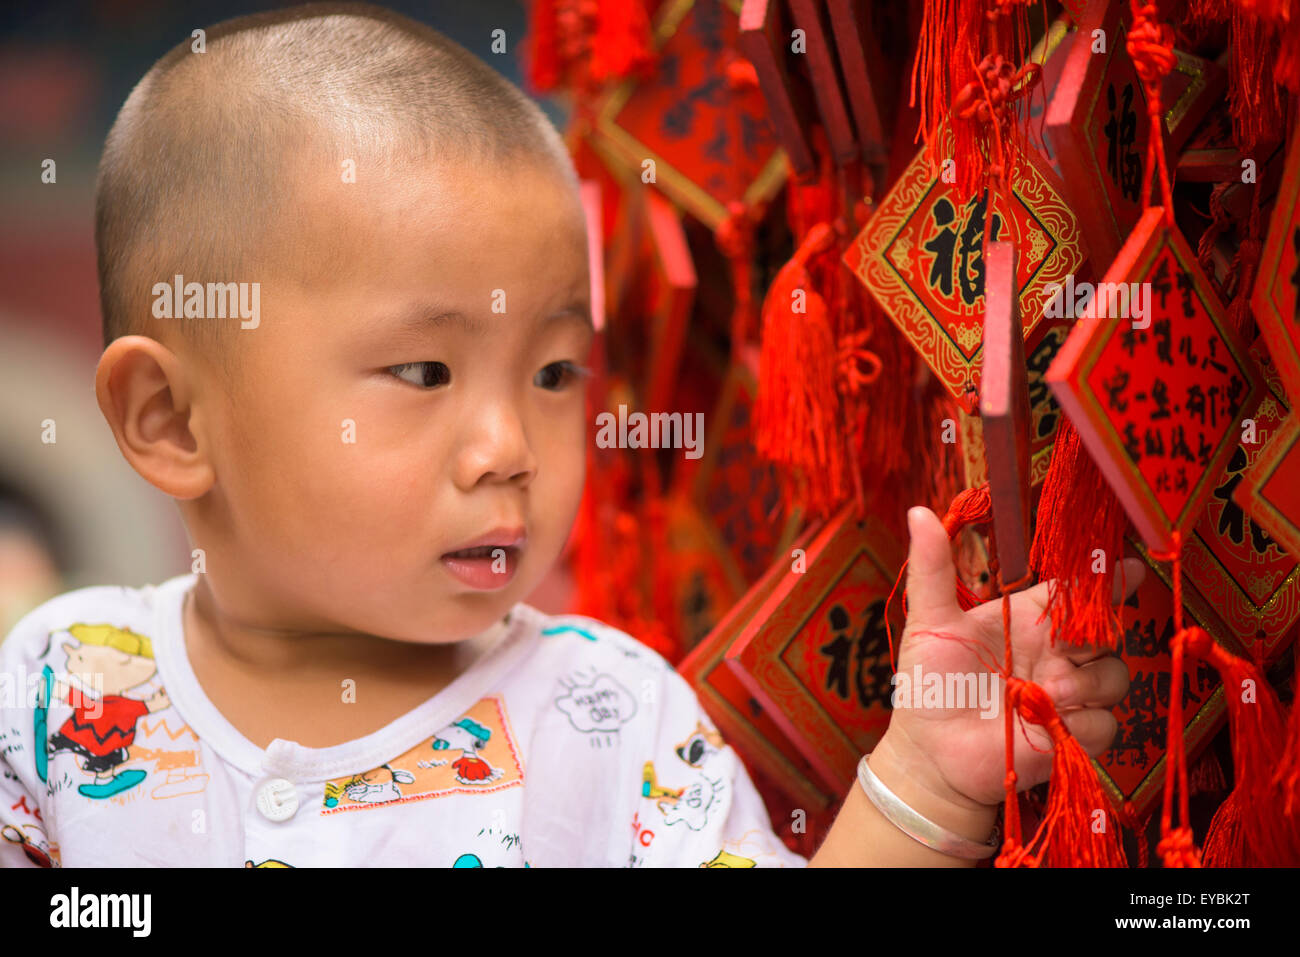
(72, 512)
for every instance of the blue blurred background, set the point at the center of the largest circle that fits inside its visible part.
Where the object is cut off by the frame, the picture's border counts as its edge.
(72, 512)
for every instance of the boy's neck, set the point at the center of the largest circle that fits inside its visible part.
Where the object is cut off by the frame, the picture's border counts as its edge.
(279, 683)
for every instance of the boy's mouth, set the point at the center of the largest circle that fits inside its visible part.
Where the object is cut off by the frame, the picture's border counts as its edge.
(488, 562)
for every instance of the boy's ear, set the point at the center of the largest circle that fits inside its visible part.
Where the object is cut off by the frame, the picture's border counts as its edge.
(146, 395)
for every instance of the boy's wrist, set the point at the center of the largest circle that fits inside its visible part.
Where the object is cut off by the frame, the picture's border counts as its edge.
(914, 779)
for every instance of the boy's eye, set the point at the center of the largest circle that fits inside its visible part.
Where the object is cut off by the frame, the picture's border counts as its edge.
(424, 374)
(557, 375)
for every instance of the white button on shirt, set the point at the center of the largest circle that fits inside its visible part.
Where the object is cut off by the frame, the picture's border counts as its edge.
(277, 799)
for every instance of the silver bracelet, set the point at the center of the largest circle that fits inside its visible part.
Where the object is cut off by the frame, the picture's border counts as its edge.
(919, 828)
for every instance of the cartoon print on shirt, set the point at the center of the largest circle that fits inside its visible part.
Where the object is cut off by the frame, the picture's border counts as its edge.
(693, 803)
(628, 652)
(378, 785)
(469, 737)
(31, 837)
(102, 726)
(269, 862)
(489, 761)
(494, 846)
(597, 705)
(182, 770)
(725, 859)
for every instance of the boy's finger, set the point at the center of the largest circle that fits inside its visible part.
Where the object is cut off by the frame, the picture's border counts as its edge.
(931, 575)
(1098, 684)
(1128, 576)
(1093, 728)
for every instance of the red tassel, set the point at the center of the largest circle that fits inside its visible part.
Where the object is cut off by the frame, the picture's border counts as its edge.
(1074, 796)
(972, 506)
(1251, 827)
(1287, 776)
(622, 43)
(543, 57)
(1078, 514)
(797, 403)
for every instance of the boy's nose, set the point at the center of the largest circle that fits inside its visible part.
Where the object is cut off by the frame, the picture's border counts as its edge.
(495, 449)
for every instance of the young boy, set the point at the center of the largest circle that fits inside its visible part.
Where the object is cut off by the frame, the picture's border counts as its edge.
(375, 435)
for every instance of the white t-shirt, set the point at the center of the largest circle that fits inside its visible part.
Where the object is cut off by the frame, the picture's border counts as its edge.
(567, 743)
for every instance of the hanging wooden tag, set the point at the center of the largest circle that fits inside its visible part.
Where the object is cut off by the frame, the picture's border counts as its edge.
(703, 587)
(1157, 392)
(669, 296)
(824, 69)
(921, 256)
(1252, 581)
(1187, 94)
(738, 491)
(1270, 490)
(1097, 122)
(1044, 410)
(858, 27)
(1133, 769)
(1274, 300)
(1004, 412)
(1051, 52)
(816, 653)
(970, 442)
(738, 715)
(764, 40)
(706, 141)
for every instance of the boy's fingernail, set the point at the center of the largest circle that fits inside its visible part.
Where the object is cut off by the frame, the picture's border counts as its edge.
(913, 516)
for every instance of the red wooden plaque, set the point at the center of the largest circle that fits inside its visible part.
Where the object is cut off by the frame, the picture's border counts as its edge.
(816, 655)
(1004, 411)
(1044, 410)
(1274, 298)
(738, 715)
(921, 256)
(970, 432)
(1190, 89)
(1098, 125)
(704, 587)
(1270, 491)
(738, 491)
(1076, 9)
(1209, 156)
(1252, 581)
(825, 73)
(669, 295)
(710, 143)
(1133, 769)
(871, 85)
(1051, 52)
(1159, 408)
(764, 40)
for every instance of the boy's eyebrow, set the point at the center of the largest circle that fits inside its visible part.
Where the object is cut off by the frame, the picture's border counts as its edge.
(576, 310)
(422, 317)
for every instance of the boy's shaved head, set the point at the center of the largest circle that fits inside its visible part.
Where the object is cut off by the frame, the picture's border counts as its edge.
(201, 166)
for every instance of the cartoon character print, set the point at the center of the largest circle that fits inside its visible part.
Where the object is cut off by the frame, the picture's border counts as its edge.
(489, 760)
(690, 805)
(269, 862)
(38, 848)
(727, 859)
(379, 785)
(102, 726)
(469, 737)
(180, 768)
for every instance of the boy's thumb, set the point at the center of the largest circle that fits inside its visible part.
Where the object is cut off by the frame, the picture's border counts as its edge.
(931, 575)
